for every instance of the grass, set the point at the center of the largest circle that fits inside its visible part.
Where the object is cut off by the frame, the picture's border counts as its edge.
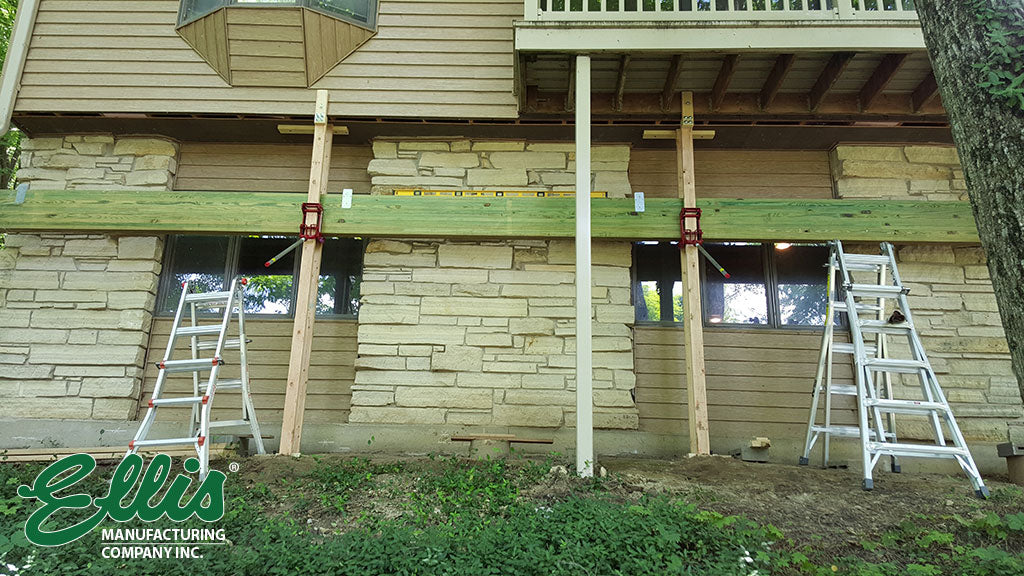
(449, 516)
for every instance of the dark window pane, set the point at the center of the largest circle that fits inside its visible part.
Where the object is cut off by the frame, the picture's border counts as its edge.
(339, 277)
(270, 289)
(200, 260)
(742, 298)
(800, 272)
(657, 267)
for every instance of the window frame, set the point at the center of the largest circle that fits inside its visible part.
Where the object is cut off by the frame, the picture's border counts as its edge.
(372, 15)
(231, 263)
(771, 288)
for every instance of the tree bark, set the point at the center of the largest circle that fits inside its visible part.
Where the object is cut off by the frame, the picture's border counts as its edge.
(989, 136)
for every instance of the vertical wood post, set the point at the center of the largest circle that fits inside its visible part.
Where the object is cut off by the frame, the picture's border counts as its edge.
(584, 326)
(693, 319)
(309, 281)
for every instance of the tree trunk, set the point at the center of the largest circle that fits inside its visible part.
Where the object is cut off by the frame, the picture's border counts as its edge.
(989, 136)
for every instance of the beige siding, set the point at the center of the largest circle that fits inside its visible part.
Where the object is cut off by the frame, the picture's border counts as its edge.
(438, 59)
(331, 371)
(735, 173)
(266, 47)
(758, 382)
(268, 168)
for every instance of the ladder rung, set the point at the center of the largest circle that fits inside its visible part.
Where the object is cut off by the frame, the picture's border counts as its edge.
(231, 344)
(228, 384)
(847, 348)
(163, 442)
(208, 298)
(847, 431)
(198, 330)
(872, 259)
(876, 290)
(228, 423)
(924, 450)
(190, 365)
(843, 389)
(905, 406)
(883, 327)
(174, 401)
(895, 365)
(840, 306)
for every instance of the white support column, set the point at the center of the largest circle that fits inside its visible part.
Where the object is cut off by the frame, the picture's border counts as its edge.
(584, 321)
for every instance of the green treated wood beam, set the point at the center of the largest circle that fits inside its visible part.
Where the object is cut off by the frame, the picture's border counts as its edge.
(419, 217)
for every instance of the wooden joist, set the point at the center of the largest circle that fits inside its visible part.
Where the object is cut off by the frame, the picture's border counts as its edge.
(620, 82)
(880, 78)
(827, 79)
(925, 92)
(725, 74)
(671, 79)
(161, 212)
(783, 64)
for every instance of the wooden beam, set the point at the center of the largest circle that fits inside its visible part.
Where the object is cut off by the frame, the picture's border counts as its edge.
(924, 93)
(520, 85)
(308, 280)
(671, 79)
(783, 64)
(880, 78)
(570, 94)
(693, 320)
(162, 212)
(620, 82)
(839, 106)
(725, 74)
(827, 79)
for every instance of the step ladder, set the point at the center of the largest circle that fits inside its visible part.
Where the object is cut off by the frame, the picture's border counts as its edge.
(868, 316)
(230, 303)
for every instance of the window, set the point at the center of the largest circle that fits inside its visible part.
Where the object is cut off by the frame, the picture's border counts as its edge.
(362, 13)
(207, 260)
(772, 285)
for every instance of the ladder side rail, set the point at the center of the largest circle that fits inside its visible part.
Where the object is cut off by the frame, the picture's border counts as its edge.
(823, 357)
(193, 422)
(930, 388)
(248, 410)
(203, 440)
(177, 322)
(862, 373)
(833, 318)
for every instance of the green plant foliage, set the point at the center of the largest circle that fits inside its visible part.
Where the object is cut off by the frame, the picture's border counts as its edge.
(1003, 70)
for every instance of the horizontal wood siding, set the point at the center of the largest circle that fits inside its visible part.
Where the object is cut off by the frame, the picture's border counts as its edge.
(758, 382)
(266, 46)
(735, 173)
(437, 59)
(331, 371)
(268, 168)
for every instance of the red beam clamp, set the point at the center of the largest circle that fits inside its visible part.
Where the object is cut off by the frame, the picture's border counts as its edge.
(311, 231)
(690, 236)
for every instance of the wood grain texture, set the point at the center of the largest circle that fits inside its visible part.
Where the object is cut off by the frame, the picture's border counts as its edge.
(328, 42)
(414, 217)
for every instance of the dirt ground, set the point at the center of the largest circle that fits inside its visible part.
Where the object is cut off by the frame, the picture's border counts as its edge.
(809, 504)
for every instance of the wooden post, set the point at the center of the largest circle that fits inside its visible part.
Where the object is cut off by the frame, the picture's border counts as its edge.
(584, 316)
(693, 319)
(309, 281)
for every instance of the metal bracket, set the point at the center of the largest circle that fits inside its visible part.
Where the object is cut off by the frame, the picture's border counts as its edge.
(311, 231)
(690, 236)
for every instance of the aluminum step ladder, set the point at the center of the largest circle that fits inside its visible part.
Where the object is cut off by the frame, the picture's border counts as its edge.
(865, 306)
(230, 303)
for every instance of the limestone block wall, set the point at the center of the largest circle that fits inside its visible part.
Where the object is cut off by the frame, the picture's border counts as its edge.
(482, 334)
(494, 165)
(75, 309)
(951, 294)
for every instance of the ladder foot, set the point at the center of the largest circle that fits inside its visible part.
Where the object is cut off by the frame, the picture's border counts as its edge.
(982, 493)
(894, 466)
(869, 485)
(804, 461)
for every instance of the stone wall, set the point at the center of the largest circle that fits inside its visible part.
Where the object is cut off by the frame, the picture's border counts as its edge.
(951, 296)
(494, 165)
(75, 309)
(482, 334)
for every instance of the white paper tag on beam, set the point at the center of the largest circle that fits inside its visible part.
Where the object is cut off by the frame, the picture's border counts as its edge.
(638, 201)
(346, 198)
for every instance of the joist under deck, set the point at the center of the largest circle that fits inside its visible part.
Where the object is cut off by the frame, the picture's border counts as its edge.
(142, 212)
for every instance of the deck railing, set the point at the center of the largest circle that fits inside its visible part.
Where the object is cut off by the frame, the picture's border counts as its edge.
(689, 10)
